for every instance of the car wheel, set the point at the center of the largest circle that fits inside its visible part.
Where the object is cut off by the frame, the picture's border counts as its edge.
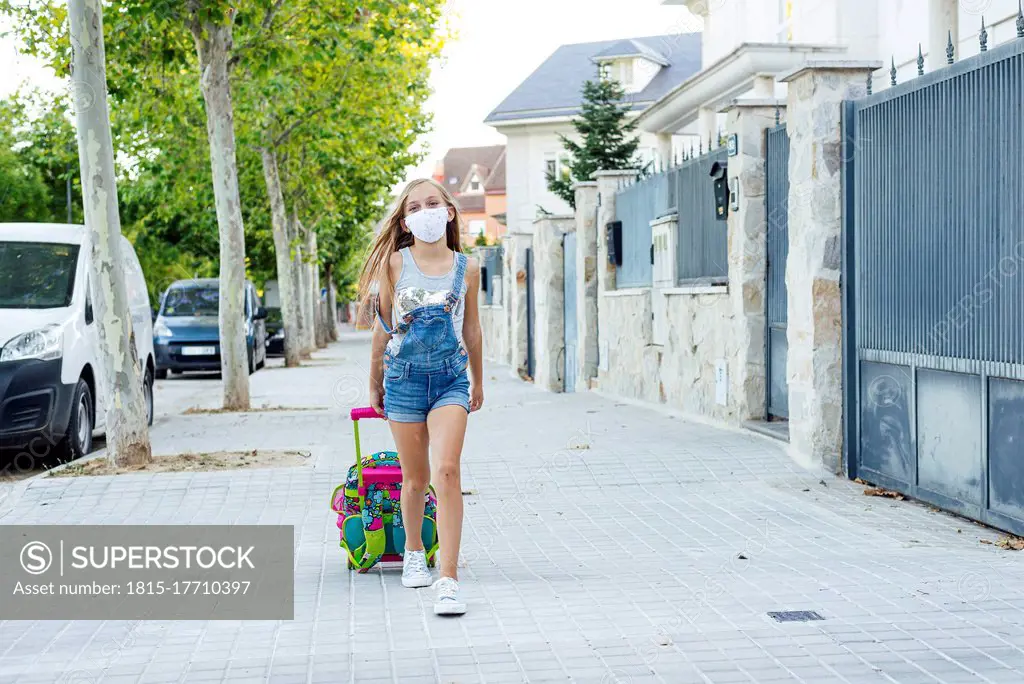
(176, 372)
(147, 391)
(77, 440)
(161, 374)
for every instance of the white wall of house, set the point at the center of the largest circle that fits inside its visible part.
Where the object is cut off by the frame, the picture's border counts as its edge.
(527, 149)
(881, 30)
(901, 26)
(870, 29)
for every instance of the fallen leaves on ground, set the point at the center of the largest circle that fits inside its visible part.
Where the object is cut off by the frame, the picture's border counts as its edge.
(183, 463)
(1009, 543)
(879, 491)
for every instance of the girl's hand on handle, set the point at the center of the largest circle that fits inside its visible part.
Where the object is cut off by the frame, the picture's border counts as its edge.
(476, 398)
(377, 398)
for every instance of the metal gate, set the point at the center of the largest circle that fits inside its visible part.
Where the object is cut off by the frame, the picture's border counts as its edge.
(569, 310)
(934, 287)
(776, 301)
(529, 313)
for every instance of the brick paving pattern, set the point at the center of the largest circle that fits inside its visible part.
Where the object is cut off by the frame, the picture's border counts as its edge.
(604, 543)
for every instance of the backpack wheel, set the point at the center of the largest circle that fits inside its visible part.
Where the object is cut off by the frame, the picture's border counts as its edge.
(432, 562)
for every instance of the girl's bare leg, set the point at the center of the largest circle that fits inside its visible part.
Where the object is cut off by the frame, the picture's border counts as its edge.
(411, 441)
(447, 428)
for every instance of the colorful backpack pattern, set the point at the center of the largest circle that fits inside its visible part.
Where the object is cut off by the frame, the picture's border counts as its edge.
(380, 514)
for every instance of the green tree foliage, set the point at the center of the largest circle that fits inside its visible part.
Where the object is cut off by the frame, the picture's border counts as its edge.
(37, 156)
(604, 129)
(342, 84)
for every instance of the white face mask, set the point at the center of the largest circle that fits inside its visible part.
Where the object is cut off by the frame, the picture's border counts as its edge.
(428, 225)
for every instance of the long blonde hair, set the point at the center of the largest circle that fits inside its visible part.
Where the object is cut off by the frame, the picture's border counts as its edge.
(392, 237)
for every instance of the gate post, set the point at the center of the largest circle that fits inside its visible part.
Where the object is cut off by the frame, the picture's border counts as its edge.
(517, 305)
(815, 333)
(608, 183)
(748, 233)
(586, 284)
(548, 300)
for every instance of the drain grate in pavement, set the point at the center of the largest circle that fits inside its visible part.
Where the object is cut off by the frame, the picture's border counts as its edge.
(795, 616)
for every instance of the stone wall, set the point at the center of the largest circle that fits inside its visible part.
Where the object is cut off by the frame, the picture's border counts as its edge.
(749, 226)
(549, 301)
(625, 320)
(682, 372)
(494, 318)
(586, 284)
(516, 247)
(494, 323)
(699, 336)
(814, 327)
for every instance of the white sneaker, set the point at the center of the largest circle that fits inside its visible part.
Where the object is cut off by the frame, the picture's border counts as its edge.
(414, 570)
(447, 601)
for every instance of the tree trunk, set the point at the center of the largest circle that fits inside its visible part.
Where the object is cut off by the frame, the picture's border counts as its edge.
(319, 329)
(308, 281)
(127, 416)
(213, 43)
(332, 304)
(298, 276)
(282, 252)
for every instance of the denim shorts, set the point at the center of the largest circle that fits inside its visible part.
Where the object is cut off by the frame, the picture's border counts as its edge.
(411, 391)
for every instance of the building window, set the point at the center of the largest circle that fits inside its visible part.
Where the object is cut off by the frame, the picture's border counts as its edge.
(474, 184)
(626, 74)
(557, 163)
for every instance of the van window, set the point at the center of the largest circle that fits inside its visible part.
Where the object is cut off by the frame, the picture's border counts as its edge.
(37, 275)
(192, 301)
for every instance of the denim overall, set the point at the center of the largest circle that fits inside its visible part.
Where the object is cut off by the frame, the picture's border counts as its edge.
(429, 369)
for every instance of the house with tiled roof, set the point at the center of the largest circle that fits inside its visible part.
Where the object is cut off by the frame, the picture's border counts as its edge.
(476, 177)
(541, 108)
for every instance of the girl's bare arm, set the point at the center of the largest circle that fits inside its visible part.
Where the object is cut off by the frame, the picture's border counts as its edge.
(472, 334)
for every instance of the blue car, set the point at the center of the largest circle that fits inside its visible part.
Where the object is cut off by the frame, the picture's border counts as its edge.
(186, 333)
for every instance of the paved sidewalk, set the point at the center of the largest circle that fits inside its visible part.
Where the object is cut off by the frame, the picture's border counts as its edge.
(604, 543)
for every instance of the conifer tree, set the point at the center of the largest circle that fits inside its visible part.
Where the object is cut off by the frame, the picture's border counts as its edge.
(605, 134)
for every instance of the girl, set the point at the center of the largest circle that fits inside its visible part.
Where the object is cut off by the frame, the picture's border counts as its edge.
(427, 331)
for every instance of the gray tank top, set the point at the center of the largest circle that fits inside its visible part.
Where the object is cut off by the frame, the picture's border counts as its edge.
(415, 289)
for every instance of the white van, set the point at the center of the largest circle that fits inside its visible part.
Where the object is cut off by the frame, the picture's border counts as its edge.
(53, 390)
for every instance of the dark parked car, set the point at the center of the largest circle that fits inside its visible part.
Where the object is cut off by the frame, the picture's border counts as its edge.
(186, 334)
(275, 332)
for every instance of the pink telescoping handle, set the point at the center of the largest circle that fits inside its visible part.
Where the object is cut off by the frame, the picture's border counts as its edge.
(356, 414)
(364, 412)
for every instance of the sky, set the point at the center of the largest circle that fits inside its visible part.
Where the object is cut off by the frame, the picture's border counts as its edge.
(497, 44)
